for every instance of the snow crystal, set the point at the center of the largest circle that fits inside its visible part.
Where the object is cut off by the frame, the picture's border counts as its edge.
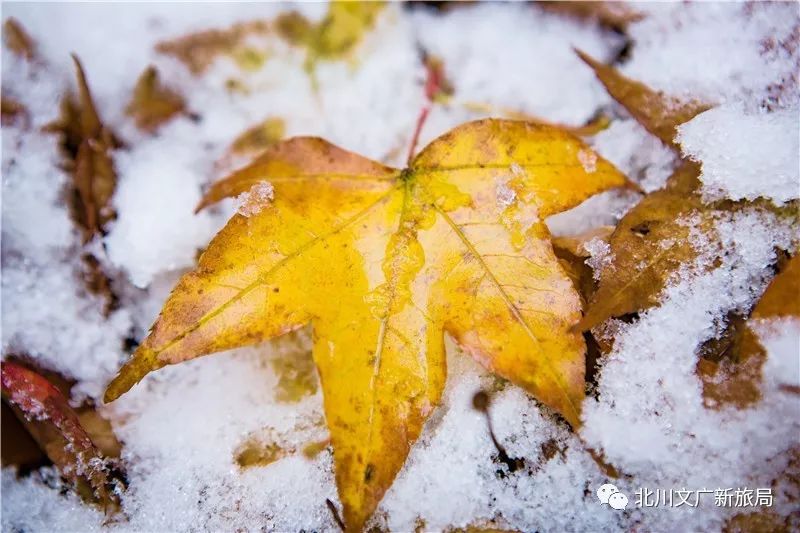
(588, 160)
(253, 201)
(505, 194)
(517, 170)
(744, 155)
(601, 256)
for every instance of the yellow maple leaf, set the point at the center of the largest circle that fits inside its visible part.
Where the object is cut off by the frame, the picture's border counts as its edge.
(383, 262)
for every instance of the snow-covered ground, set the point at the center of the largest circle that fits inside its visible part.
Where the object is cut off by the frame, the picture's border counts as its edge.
(181, 426)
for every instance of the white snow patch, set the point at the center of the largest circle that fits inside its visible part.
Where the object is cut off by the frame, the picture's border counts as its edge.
(157, 228)
(642, 157)
(745, 155)
(718, 51)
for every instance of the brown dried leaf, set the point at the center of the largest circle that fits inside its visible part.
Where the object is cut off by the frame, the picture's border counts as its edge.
(199, 50)
(254, 452)
(648, 245)
(734, 379)
(97, 282)
(259, 137)
(18, 40)
(100, 431)
(763, 521)
(87, 146)
(12, 111)
(297, 377)
(94, 178)
(485, 526)
(312, 449)
(613, 15)
(658, 113)
(294, 28)
(153, 103)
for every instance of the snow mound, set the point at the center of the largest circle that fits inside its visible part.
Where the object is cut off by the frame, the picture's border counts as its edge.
(744, 155)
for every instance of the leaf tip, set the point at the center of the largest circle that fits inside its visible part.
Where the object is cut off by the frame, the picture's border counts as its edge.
(129, 375)
(586, 58)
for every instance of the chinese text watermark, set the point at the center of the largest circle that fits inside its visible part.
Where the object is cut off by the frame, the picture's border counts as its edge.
(739, 497)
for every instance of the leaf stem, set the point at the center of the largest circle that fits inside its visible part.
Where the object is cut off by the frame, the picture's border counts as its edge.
(423, 116)
(434, 80)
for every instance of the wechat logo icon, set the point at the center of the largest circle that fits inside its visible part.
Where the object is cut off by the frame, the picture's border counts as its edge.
(609, 494)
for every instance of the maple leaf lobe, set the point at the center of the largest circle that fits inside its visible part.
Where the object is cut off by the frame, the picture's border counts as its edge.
(383, 262)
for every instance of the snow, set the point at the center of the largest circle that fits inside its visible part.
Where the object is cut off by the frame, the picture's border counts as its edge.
(600, 255)
(641, 156)
(156, 228)
(253, 201)
(47, 313)
(505, 194)
(649, 382)
(183, 425)
(745, 155)
(588, 160)
(718, 51)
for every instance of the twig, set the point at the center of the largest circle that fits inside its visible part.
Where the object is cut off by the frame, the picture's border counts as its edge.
(335, 513)
(434, 84)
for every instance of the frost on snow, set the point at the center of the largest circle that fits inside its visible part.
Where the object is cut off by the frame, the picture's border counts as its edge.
(182, 426)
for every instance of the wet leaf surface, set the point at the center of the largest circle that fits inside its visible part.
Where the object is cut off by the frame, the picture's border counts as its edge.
(383, 262)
